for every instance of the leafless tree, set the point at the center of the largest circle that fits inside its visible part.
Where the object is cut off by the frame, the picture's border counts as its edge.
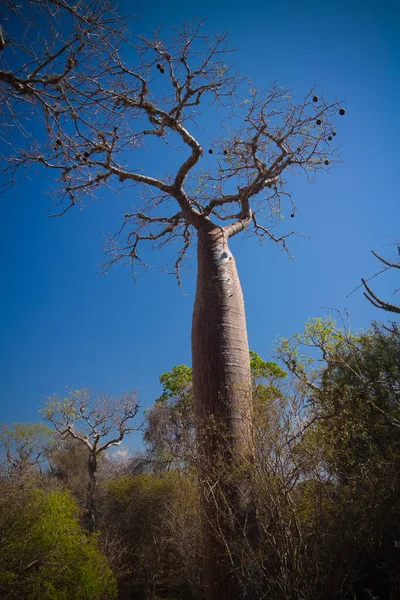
(98, 422)
(103, 98)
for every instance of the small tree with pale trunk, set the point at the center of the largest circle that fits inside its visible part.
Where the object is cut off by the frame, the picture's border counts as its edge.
(98, 422)
(104, 99)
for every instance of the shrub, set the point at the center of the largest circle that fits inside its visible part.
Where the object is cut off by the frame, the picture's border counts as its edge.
(45, 552)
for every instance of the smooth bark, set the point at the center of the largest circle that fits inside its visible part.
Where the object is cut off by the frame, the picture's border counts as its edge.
(222, 393)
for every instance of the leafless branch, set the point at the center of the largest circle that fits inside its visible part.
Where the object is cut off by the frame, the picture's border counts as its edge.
(101, 97)
(89, 418)
(371, 296)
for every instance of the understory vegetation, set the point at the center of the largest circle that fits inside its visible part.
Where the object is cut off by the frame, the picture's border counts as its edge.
(324, 478)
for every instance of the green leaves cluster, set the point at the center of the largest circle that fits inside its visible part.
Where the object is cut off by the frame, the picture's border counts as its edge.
(176, 383)
(260, 369)
(45, 553)
(170, 430)
(24, 446)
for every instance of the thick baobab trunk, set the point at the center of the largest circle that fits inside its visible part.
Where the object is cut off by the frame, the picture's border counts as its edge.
(222, 393)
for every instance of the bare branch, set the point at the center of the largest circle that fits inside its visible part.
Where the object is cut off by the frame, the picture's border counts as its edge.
(386, 262)
(371, 296)
(378, 302)
(100, 98)
(88, 418)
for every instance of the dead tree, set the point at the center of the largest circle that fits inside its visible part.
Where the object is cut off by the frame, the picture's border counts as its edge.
(99, 423)
(99, 116)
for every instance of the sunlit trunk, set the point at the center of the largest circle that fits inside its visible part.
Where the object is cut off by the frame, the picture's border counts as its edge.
(222, 393)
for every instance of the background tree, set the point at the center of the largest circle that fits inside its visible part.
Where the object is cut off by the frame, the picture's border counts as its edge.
(97, 111)
(358, 402)
(25, 446)
(99, 423)
(349, 450)
(170, 423)
(347, 367)
(68, 463)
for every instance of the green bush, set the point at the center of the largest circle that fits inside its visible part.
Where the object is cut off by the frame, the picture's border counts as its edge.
(45, 553)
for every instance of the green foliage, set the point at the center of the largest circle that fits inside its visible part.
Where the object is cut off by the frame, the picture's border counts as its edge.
(351, 381)
(176, 383)
(24, 446)
(170, 431)
(266, 378)
(305, 354)
(360, 393)
(45, 553)
(32, 432)
(325, 482)
(170, 423)
(149, 489)
(260, 369)
(346, 457)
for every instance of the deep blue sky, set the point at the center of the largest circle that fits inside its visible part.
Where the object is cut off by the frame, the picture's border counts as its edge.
(62, 325)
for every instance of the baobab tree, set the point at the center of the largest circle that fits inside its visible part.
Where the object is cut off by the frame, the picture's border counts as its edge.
(104, 98)
(98, 423)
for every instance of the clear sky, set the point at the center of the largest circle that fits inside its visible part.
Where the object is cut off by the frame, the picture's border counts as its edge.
(63, 325)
